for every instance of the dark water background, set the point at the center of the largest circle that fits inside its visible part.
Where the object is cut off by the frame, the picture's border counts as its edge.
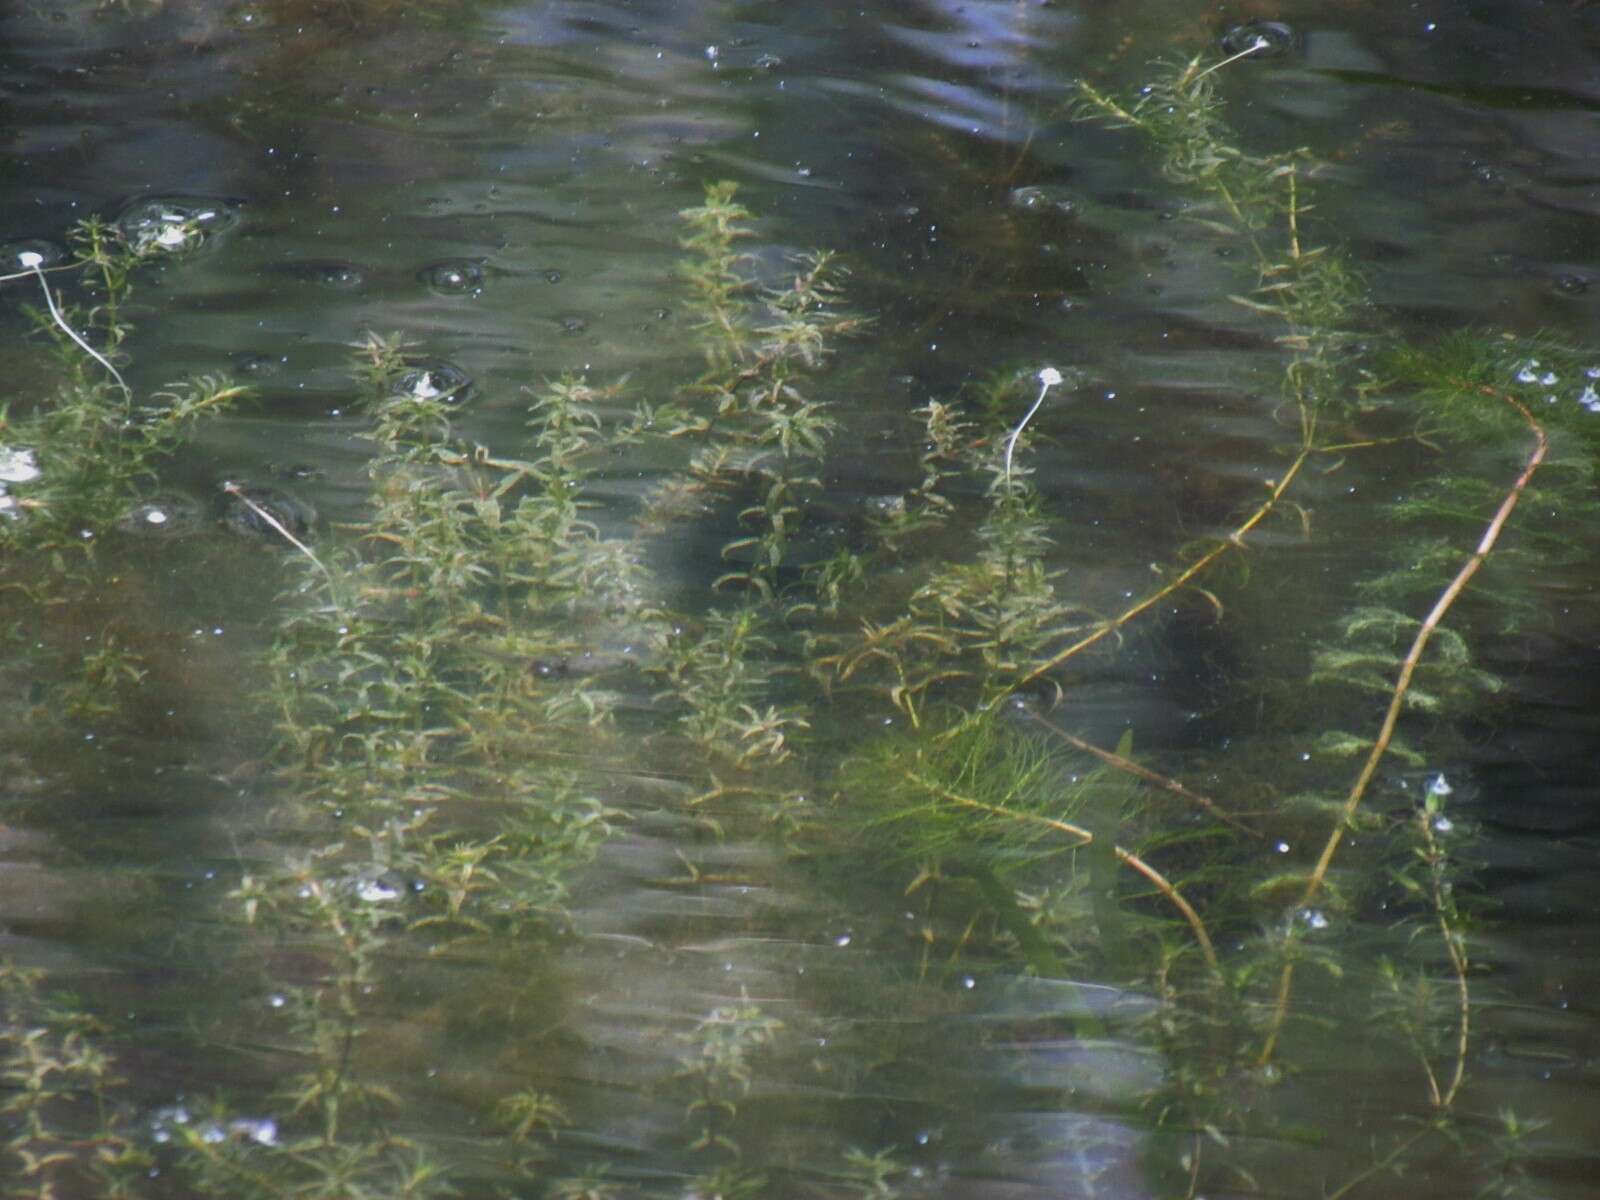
(555, 143)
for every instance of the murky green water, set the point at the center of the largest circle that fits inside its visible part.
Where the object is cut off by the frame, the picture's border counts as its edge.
(504, 851)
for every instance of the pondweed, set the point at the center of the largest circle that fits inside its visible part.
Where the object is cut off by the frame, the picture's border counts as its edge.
(466, 684)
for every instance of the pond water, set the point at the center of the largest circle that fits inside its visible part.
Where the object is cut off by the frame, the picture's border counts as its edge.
(518, 746)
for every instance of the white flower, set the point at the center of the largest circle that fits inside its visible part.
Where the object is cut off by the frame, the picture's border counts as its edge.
(1050, 377)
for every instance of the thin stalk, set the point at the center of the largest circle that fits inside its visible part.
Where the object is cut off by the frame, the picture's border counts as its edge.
(1254, 47)
(32, 260)
(1408, 668)
(1048, 378)
(1399, 1151)
(1112, 759)
(1234, 540)
(1126, 857)
(234, 490)
(1458, 965)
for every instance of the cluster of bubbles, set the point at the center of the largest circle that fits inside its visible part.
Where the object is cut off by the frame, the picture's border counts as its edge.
(446, 277)
(1037, 198)
(1531, 372)
(167, 1123)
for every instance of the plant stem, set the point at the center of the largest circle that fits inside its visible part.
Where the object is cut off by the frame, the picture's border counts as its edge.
(31, 260)
(1442, 908)
(1234, 540)
(1127, 858)
(1358, 790)
(1112, 759)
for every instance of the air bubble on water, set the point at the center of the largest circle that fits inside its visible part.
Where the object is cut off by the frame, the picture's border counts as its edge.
(175, 224)
(18, 464)
(167, 517)
(261, 1130)
(1570, 285)
(454, 276)
(1045, 198)
(1282, 847)
(294, 514)
(379, 890)
(432, 379)
(247, 363)
(165, 1120)
(334, 274)
(1313, 918)
(968, 982)
(277, 1000)
(1265, 39)
(843, 940)
(17, 253)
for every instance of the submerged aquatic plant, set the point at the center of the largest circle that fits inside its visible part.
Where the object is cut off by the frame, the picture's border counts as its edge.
(454, 684)
(94, 443)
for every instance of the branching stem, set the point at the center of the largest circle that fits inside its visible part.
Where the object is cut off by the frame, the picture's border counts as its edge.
(1112, 759)
(1408, 668)
(1084, 837)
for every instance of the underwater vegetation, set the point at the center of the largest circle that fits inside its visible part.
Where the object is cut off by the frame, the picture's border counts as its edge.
(470, 689)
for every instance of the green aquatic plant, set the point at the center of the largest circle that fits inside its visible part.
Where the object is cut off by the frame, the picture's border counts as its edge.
(719, 1067)
(458, 675)
(761, 436)
(62, 1128)
(94, 444)
(870, 1176)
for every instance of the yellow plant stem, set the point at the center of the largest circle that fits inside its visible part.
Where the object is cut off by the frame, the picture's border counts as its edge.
(1112, 759)
(1233, 541)
(1396, 1153)
(1408, 668)
(1084, 837)
(1458, 964)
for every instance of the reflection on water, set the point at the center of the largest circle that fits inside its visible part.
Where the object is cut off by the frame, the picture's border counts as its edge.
(754, 975)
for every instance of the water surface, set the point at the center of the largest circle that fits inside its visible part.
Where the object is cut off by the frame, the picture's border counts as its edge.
(501, 184)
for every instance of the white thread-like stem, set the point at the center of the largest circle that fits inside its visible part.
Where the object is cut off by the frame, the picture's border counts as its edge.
(237, 493)
(1048, 378)
(31, 260)
(1254, 47)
